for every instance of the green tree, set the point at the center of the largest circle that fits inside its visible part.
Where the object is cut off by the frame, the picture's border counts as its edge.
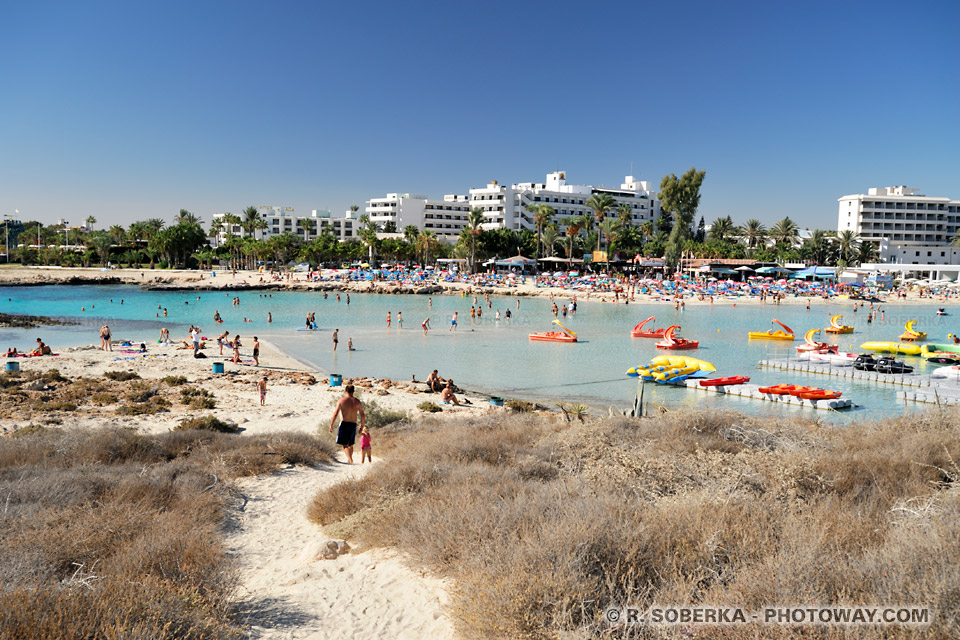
(866, 253)
(573, 230)
(680, 197)
(624, 214)
(101, 241)
(474, 228)
(785, 232)
(755, 232)
(722, 228)
(90, 222)
(549, 239)
(848, 245)
(186, 216)
(601, 204)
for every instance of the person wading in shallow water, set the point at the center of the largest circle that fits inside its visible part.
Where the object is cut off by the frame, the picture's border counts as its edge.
(348, 408)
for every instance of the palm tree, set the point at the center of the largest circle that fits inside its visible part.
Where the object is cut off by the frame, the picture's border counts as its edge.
(549, 238)
(867, 253)
(252, 222)
(215, 228)
(848, 244)
(573, 229)
(475, 227)
(721, 228)
(426, 241)
(624, 212)
(785, 232)
(646, 230)
(90, 222)
(117, 233)
(601, 203)
(542, 214)
(186, 216)
(610, 231)
(308, 225)
(755, 232)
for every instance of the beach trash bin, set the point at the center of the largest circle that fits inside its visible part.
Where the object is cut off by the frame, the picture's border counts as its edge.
(496, 401)
(218, 367)
(336, 379)
(13, 366)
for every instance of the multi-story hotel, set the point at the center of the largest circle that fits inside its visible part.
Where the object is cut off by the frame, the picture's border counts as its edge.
(506, 207)
(446, 218)
(284, 220)
(907, 227)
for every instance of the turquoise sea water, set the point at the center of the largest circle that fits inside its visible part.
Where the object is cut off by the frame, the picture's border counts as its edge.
(484, 354)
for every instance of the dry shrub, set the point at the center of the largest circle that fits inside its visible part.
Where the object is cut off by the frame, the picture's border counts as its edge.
(121, 376)
(210, 423)
(113, 534)
(545, 524)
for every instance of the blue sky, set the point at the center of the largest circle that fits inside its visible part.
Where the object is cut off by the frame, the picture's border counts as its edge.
(127, 110)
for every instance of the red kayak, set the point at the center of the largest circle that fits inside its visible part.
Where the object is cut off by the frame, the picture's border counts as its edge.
(640, 332)
(822, 394)
(778, 389)
(722, 382)
(796, 391)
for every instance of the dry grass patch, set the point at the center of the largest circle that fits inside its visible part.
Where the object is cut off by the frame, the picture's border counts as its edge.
(113, 534)
(544, 523)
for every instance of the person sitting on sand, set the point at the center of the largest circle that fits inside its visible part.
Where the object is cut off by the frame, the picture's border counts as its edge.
(12, 352)
(41, 350)
(350, 344)
(435, 382)
(446, 395)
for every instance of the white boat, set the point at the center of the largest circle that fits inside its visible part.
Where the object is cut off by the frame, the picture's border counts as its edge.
(834, 359)
(951, 371)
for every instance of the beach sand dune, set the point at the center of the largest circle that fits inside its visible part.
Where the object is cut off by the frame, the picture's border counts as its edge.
(360, 594)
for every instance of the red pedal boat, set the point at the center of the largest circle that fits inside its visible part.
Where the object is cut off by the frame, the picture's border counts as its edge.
(672, 342)
(778, 389)
(722, 382)
(640, 332)
(822, 394)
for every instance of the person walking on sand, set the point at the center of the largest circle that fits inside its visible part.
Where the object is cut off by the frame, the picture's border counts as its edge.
(348, 408)
(262, 388)
(106, 343)
(222, 339)
(195, 336)
(365, 450)
(336, 338)
(256, 351)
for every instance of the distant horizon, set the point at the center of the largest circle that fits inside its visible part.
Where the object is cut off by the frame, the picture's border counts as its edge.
(135, 111)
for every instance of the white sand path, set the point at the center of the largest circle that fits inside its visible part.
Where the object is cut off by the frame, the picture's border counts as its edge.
(366, 594)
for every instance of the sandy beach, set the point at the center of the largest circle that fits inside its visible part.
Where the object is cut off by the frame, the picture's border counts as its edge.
(195, 279)
(287, 590)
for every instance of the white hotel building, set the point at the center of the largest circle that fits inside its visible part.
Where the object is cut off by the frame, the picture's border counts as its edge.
(446, 218)
(907, 227)
(284, 220)
(505, 207)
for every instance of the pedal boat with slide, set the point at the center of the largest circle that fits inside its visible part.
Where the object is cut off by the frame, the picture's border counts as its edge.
(673, 342)
(555, 336)
(818, 347)
(786, 334)
(836, 327)
(639, 332)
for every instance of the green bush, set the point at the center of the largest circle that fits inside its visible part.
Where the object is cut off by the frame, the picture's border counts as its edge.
(101, 399)
(377, 416)
(521, 406)
(429, 407)
(197, 398)
(175, 381)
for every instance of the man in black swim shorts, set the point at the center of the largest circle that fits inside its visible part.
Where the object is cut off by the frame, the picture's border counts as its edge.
(348, 408)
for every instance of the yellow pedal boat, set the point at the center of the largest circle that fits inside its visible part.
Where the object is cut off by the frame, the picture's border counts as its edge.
(786, 334)
(836, 327)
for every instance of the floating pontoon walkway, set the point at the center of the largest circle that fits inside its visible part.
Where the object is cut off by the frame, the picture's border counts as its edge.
(826, 369)
(753, 391)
